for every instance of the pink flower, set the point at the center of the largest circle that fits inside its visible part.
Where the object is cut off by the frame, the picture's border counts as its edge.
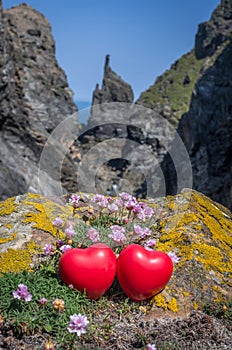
(43, 301)
(48, 249)
(131, 203)
(125, 196)
(142, 232)
(22, 293)
(137, 209)
(57, 222)
(93, 235)
(100, 200)
(112, 207)
(151, 347)
(150, 243)
(65, 247)
(74, 200)
(148, 211)
(70, 233)
(117, 234)
(174, 257)
(78, 324)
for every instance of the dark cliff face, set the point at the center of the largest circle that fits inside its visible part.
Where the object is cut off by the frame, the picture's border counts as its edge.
(206, 128)
(215, 32)
(114, 88)
(34, 94)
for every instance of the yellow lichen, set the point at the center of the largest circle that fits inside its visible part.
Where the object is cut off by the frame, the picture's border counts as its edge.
(7, 207)
(195, 305)
(8, 239)
(45, 213)
(17, 260)
(165, 304)
(172, 305)
(9, 226)
(191, 233)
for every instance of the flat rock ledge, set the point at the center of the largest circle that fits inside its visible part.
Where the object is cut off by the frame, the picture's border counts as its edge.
(197, 229)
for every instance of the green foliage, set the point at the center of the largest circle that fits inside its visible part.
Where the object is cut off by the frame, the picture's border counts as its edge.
(222, 310)
(31, 317)
(175, 87)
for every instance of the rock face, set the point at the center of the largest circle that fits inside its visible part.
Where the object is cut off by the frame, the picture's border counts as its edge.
(214, 33)
(35, 97)
(207, 128)
(114, 88)
(194, 96)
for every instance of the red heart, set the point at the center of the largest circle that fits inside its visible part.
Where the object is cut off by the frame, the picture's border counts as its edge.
(91, 269)
(142, 273)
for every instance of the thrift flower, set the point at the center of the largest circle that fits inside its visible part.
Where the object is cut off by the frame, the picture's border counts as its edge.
(137, 209)
(77, 324)
(43, 301)
(174, 257)
(148, 211)
(48, 249)
(22, 293)
(70, 233)
(142, 232)
(65, 247)
(59, 243)
(74, 200)
(117, 234)
(57, 222)
(101, 200)
(125, 196)
(131, 203)
(151, 347)
(58, 305)
(93, 235)
(150, 243)
(112, 207)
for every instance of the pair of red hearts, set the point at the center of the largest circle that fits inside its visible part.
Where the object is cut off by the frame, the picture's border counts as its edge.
(141, 273)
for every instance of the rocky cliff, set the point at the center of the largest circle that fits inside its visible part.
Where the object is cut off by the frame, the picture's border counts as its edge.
(35, 98)
(114, 88)
(194, 97)
(207, 128)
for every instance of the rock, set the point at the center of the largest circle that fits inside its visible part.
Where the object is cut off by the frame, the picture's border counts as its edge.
(114, 88)
(35, 99)
(197, 229)
(207, 128)
(185, 96)
(213, 33)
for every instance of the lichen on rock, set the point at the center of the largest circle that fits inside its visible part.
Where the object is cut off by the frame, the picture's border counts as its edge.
(26, 226)
(197, 229)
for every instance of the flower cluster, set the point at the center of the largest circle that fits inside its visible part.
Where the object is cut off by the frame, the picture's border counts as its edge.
(77, 323)
(22, 293)
(126, 220)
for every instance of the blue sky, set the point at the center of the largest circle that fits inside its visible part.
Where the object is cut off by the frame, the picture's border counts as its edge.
(143, 37)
